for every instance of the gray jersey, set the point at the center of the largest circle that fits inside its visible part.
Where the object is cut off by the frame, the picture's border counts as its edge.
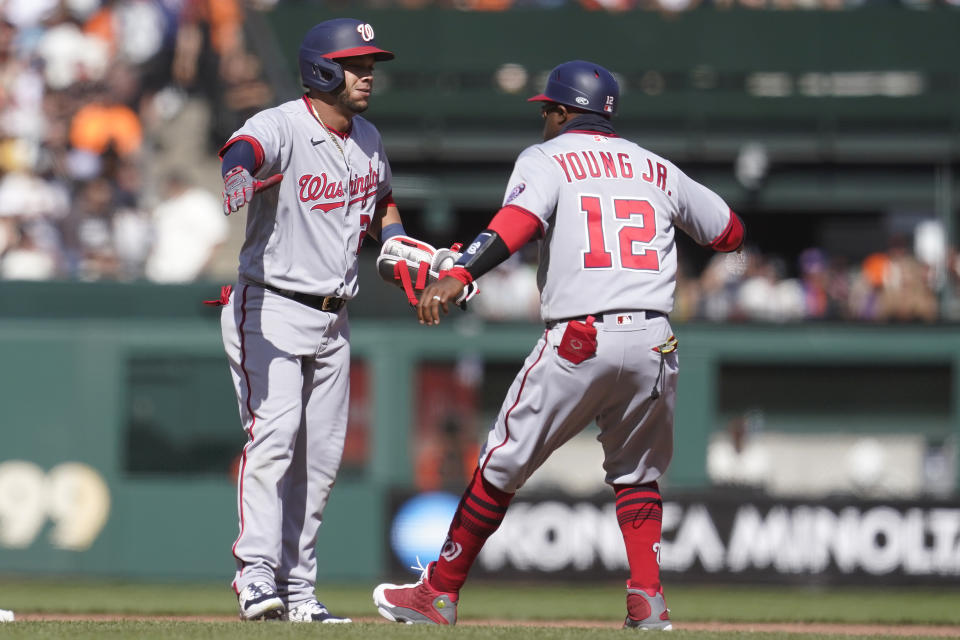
(304, 235)
(609, 209)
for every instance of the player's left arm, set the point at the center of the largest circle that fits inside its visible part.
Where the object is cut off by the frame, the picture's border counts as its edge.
(706, 218)
(732, 237)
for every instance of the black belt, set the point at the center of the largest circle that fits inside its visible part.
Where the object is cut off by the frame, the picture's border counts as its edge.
(598, 317)
(321, 303)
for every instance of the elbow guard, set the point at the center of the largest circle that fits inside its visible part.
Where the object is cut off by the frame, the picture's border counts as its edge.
(485, 252)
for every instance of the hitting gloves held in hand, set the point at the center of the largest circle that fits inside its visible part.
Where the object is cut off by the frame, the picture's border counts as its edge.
(238, 188)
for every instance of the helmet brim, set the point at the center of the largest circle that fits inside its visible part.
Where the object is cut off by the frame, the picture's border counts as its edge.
(540, 98)
(378, 54)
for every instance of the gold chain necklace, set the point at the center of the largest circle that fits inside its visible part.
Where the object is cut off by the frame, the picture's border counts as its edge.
(329, 133)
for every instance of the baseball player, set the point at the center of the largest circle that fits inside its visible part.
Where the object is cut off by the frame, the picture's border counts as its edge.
(316, 179)
(604, 211)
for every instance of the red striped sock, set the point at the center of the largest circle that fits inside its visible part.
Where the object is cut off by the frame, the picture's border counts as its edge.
(640, 513)
(479, 514)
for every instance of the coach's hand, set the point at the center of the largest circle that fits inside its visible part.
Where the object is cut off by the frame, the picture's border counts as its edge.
(436, 296)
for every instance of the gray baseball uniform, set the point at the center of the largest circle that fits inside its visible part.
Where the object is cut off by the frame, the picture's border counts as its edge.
(288, 349)
(608, 209)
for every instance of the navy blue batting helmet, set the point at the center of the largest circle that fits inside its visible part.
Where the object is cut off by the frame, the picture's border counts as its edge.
(332, 39)
(583, 85)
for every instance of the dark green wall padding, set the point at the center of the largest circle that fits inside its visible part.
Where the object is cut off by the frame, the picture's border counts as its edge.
(71, 385)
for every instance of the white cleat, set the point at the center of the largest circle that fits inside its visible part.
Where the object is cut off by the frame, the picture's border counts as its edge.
(259, 601)
(313, 611)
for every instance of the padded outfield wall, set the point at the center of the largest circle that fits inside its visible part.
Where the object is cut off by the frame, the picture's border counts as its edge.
(120, 429)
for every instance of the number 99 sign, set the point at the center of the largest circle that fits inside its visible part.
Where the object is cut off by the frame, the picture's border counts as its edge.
(72, 495)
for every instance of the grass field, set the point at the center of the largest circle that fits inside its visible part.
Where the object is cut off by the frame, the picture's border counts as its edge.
(135, 610)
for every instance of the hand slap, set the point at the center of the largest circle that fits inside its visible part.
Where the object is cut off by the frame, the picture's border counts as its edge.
(437, 296)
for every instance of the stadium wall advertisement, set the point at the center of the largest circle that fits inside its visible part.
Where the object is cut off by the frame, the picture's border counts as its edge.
(706, 538)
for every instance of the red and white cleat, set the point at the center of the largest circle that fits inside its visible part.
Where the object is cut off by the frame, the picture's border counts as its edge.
(416, 603)
(646, 609)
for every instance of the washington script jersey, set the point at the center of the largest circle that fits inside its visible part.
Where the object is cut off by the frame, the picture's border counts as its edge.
(304, 235)
(609, 209)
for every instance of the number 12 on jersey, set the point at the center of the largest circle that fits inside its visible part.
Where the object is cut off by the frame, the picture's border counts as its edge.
(628, 236)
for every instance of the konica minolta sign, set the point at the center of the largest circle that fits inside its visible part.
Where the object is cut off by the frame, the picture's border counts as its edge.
(726, 538)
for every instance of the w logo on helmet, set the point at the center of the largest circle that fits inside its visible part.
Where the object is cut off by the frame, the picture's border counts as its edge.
(365, 31)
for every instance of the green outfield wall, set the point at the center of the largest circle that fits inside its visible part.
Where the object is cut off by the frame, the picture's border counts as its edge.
(120, 427)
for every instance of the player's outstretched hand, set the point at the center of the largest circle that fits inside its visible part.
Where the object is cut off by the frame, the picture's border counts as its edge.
(437, 296)
(238, 187)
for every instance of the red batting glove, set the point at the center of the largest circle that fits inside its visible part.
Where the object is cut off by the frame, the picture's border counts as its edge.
(238, 188)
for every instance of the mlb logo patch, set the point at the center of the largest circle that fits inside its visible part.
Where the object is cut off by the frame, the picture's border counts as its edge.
(624, 319)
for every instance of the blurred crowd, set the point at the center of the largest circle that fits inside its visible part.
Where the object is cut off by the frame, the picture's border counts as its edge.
(88, 89)
(886, 286)
(890, 285)
(89, 190)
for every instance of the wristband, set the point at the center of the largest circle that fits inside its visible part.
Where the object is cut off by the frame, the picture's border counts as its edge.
(460, 274)
(395, 229)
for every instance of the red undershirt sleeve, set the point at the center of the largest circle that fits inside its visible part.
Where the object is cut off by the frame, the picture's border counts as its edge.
(732, 237)
(516, 226)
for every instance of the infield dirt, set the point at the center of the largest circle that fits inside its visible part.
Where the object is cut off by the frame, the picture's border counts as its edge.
(938, 631)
